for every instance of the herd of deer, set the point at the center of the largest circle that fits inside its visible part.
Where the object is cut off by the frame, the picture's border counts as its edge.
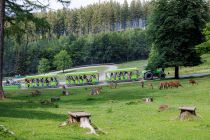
(168, 84)
(162, 85)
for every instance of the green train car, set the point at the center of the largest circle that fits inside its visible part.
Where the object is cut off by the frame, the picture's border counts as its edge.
(82, 78)
(128, 74)
(41, 81)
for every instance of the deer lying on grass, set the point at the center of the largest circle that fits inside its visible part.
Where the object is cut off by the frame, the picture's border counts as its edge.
(192, 82)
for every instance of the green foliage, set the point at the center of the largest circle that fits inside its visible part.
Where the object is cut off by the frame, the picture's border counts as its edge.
(44, 65)
(175, 29)
(112, 47)
(62, 60)
(204, 47)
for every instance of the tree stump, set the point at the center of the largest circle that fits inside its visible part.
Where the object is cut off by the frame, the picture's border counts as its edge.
(83, 118)
(186, 112)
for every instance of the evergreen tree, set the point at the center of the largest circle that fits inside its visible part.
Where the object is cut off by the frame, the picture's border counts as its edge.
(175, 30)
(138, 12)
(124, 14)
(75, 22)
(132, 13)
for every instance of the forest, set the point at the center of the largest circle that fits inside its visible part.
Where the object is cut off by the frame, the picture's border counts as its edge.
(108, 32)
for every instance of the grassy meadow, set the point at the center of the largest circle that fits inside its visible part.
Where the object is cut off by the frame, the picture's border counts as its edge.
(120, 113)
(203, 68)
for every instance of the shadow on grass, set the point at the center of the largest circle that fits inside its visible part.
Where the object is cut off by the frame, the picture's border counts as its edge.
(30, 114)
(25, 104)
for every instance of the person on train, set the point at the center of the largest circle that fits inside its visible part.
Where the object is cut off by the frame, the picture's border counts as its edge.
(32, 82)
(76, 80)
(37, 82)
(81, 80)
(56, 81)
(42, 81)
(85, 79)
(47, 82)
(27, 83)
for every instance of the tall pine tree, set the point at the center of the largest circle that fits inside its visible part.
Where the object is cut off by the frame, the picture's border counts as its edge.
(175, 29)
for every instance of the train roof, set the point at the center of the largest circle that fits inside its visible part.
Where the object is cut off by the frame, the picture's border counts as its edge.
(82, 73)
(40, 76)
(123, 70)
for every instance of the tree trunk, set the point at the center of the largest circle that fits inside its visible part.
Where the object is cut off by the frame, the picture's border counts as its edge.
(2, 10)
(176, 72)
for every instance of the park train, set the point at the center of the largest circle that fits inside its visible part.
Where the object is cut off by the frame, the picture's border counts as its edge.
(89, 78)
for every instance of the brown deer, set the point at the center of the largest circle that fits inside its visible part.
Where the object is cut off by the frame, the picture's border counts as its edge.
(98, 89)
(150, 85)
(192, 82)
(163, 85)
(177, 84)
(111, 85)
(142, 83)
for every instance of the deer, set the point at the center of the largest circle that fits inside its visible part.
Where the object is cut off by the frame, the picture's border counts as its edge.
(192, 82)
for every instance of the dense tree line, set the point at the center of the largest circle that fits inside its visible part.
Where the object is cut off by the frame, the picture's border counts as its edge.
(95, 18)
(107, 47)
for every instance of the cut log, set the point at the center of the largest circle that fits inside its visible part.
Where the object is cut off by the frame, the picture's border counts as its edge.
(186, 112)
(83, 118)
(85, 123)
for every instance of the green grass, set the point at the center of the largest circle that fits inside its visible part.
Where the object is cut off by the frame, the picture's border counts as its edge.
(99, 69)
(12, 87)
(119, 112)
(133, 64)
(203, 68)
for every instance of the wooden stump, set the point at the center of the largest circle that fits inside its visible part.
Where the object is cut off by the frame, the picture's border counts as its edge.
(83, 118)
(186, 112)
(54, 99)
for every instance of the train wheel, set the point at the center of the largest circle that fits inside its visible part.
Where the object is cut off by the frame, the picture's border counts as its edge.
(148, 76)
